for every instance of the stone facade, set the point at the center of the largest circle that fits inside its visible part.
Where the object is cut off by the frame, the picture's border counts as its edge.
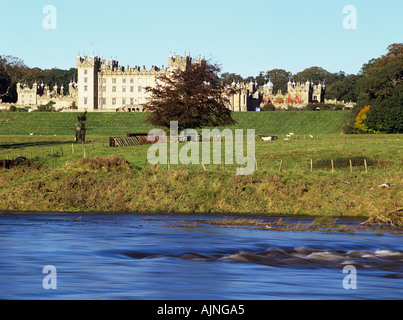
(42, 94)
(107, 86)
(110, 87)
(250, 96)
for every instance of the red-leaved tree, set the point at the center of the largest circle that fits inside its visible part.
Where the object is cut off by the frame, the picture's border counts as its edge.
(194, 97)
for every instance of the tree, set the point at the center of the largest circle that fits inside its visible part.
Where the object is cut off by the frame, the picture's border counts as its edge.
(195, 97)
(343, 89)
(231, 77)
(280, 78)
(380, 86)
(317, 74)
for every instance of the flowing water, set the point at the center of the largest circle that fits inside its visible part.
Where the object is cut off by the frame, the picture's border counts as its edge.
(148, 257)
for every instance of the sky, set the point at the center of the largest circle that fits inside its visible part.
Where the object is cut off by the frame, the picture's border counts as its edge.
(244, 37)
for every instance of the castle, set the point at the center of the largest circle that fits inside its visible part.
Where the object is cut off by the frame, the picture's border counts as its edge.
(42, 94)
(107, 86)
(250, 97)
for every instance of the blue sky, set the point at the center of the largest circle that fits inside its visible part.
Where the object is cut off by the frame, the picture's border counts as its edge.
(244, 37)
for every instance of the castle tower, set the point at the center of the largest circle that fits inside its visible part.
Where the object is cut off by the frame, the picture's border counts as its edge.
(88, 82)
(27, 96)
(177, 62)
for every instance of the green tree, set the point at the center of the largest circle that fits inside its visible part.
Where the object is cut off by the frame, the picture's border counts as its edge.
(315, 74)
(280, 78)
(381, 87)
(231, 77)
(343, 89)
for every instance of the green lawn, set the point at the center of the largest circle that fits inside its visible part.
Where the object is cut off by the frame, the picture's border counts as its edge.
(119, 124)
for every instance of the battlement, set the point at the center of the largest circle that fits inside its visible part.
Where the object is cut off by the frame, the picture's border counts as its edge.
(182, 62)
(112, 67)
(309, 85)
(85, 62)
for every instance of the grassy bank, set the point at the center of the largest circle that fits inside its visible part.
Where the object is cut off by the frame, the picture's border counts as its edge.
(119, 124)
(126, 183)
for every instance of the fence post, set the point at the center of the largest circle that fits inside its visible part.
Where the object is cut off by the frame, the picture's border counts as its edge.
(332, 165)
(366, 165)
(311, 165)
(351, 166)
(281, 165)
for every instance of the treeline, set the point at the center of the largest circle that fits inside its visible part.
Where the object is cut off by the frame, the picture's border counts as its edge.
(281, 77)
(377, 90)
(13, 70)
(379, 94)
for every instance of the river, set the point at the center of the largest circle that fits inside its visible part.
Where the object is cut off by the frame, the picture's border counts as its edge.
(148, 257)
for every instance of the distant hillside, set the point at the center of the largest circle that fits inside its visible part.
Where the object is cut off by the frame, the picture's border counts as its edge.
(119, 124)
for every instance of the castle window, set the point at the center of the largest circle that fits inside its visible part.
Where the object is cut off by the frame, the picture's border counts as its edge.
(113, 89)
(114, 101)
(85, 80)
(124, 102)
(131, 89)
(124, 80)
(85, 100)
(85, 88)
(131, 80)
(103, 89)
(131, 101)
(140, 89)
(124, 89)
(103, 101)
(103, 80)
(148, 80)
(85, 71)
(140, 80)
(113, 80)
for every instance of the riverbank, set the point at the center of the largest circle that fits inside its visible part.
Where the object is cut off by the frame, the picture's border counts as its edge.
(292, 177)
(111, 184)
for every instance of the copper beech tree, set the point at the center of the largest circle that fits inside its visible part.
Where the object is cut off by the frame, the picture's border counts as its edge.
(194, 97)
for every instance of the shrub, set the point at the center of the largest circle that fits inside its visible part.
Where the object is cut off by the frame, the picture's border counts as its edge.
(268, 107)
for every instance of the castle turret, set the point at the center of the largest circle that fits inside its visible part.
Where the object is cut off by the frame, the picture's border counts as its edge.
(88, 80)
(177, 62)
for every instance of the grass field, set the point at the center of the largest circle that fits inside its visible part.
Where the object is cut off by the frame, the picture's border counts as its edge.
(121, 180)
(119, 124)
